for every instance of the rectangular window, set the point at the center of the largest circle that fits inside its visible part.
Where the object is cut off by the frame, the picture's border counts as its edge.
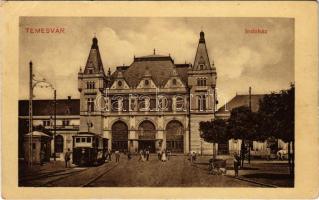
(204, 102)
(66, 122)
(199, 103)
(90, 104)
(83, 139)
(77, 140)
(46, 123)
(88, 140)
(90, 85)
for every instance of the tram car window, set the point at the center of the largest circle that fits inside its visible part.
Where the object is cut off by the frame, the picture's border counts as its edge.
(89, 149)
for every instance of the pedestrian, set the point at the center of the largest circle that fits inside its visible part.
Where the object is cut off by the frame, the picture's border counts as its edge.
(236, 163)
(106, 155)
(190, 157)
(194, 156)
(168, 153)
(129, 156)
(159, 155)
(164, 156)
(147, 154)
(67, 158)
(141, 156)
(110, 155)
(117, 156)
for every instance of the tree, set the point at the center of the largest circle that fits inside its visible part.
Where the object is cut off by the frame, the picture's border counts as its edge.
(277, 112)
(214, 132)
(242, 124)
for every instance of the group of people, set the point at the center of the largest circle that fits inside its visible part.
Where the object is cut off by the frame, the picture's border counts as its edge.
(192, 156)
(163, 155)
(108, 155)
(144, 155)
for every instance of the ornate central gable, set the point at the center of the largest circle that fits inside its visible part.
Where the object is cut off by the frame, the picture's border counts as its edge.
(159, 70)
(174, 81)
(147, 81)
(119, 83)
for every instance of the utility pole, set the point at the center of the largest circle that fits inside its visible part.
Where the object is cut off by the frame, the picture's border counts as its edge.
(250, 111)
(32, 84)
(54, 126)
(250, 98)
(30, 112)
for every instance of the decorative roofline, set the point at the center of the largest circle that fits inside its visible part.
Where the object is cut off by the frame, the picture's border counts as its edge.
(155, 58)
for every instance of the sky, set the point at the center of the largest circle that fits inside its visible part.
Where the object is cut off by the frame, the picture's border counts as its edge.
(264, 61)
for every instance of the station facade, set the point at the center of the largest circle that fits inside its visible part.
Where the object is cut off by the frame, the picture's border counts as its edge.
(152, 103)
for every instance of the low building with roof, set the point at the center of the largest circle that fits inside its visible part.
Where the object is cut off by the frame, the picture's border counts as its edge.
(231, 146)
(67, 122)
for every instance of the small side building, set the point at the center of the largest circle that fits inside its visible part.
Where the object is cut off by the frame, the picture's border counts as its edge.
(67, 122)
(40, 144)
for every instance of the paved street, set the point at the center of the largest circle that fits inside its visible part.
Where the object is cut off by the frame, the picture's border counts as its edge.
(176, 172)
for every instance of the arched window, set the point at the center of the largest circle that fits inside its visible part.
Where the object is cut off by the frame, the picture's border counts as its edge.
(174, 81)
(146, 82)
(175, 136)
(146, 130)
(58, 144)
(146, 136)
(119, 136)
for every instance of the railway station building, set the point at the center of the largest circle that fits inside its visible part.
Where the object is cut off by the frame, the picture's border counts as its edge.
(154, 102)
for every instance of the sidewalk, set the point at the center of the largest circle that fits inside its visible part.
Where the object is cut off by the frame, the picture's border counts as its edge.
(26, 171)
(270, 172)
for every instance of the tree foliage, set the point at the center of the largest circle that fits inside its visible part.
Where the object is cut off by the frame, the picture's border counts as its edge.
(242, 123)
(277, 113)
(214, 131)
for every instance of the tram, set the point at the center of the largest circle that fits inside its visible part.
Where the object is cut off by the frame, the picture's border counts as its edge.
(89, 149)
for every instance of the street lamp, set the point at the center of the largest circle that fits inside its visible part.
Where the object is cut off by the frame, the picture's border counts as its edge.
(32, 84)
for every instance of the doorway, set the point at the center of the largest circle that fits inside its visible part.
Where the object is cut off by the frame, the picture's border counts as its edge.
(144, 144)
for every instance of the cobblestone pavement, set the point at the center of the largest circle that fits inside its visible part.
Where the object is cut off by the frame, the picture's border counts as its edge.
(177, 172)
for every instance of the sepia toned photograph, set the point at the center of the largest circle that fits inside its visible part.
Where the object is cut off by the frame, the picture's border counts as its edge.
(156, 102)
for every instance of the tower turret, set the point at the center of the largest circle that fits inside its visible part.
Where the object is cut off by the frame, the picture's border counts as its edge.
(202, 82)
(92, 82)
(201, 61)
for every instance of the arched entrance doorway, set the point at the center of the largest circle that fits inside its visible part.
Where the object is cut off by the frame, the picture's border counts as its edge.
(146, 136)
(58, 144)
(175, 137)
(119, 136)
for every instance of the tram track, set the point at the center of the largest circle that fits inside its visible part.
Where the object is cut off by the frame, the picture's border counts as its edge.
(43, 175)
(81, 173)
(62, 176)
(252, 181)
(94, 179)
